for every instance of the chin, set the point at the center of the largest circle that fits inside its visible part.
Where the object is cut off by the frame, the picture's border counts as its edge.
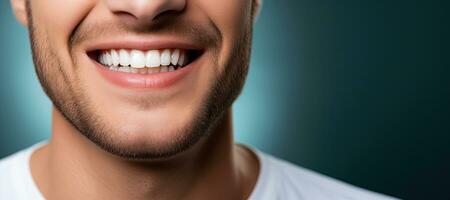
(143, 135)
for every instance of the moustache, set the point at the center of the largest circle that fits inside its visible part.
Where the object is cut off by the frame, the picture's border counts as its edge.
(205, 34)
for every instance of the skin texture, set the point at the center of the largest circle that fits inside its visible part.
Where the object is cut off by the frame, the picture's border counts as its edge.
(114, 143)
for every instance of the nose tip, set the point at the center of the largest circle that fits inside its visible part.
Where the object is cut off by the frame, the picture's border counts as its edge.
(145, 9)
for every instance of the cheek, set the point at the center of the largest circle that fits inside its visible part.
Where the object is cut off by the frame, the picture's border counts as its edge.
(57, 20)
(228, 15)
(231, 18)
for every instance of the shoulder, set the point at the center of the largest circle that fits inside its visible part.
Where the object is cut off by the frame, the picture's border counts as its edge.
(11, 173)
(288, 181)
(15, 175)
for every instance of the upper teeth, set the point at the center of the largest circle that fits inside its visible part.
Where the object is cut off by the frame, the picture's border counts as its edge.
(140, 59)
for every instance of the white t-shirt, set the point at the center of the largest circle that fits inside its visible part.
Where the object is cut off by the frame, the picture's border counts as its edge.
(278, 180)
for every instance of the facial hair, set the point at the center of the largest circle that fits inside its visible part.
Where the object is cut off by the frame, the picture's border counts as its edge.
(71, 101)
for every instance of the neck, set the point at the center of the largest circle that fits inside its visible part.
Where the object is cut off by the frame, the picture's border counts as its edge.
(77, 169)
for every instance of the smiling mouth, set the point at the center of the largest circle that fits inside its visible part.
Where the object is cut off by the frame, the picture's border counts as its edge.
(145, 62)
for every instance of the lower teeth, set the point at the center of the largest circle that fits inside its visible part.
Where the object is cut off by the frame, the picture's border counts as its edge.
(145, 70)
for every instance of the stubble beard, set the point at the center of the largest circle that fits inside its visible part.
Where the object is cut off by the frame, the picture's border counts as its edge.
(73, 104)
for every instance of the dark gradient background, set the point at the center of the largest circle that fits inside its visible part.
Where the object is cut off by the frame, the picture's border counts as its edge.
(357, 90)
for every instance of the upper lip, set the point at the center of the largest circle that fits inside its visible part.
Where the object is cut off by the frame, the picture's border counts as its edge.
(143, 43)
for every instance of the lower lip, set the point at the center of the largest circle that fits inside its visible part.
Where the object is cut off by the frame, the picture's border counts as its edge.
(155, 81)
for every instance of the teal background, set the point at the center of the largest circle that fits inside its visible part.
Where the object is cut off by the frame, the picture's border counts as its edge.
(357, 90)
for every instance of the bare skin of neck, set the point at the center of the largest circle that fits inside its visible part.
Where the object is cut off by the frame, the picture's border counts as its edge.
(72, 167)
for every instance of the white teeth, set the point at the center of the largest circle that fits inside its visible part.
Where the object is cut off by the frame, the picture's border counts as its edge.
(114, 68)
(115, 57)
(181, 59)
(165, 57)
(124, 57)
(175, 56)
(124, 69)
(164, 69)
(143, 70)
(137, 59)
(101, 58)
(153, 58)
(134, 70)
(154, 70)
(108, 59)
(171, 68)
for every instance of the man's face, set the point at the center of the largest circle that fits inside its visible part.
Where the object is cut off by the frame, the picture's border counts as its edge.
(143, 110)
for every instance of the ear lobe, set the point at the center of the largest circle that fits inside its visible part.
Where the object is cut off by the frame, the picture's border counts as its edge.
(20, 11)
